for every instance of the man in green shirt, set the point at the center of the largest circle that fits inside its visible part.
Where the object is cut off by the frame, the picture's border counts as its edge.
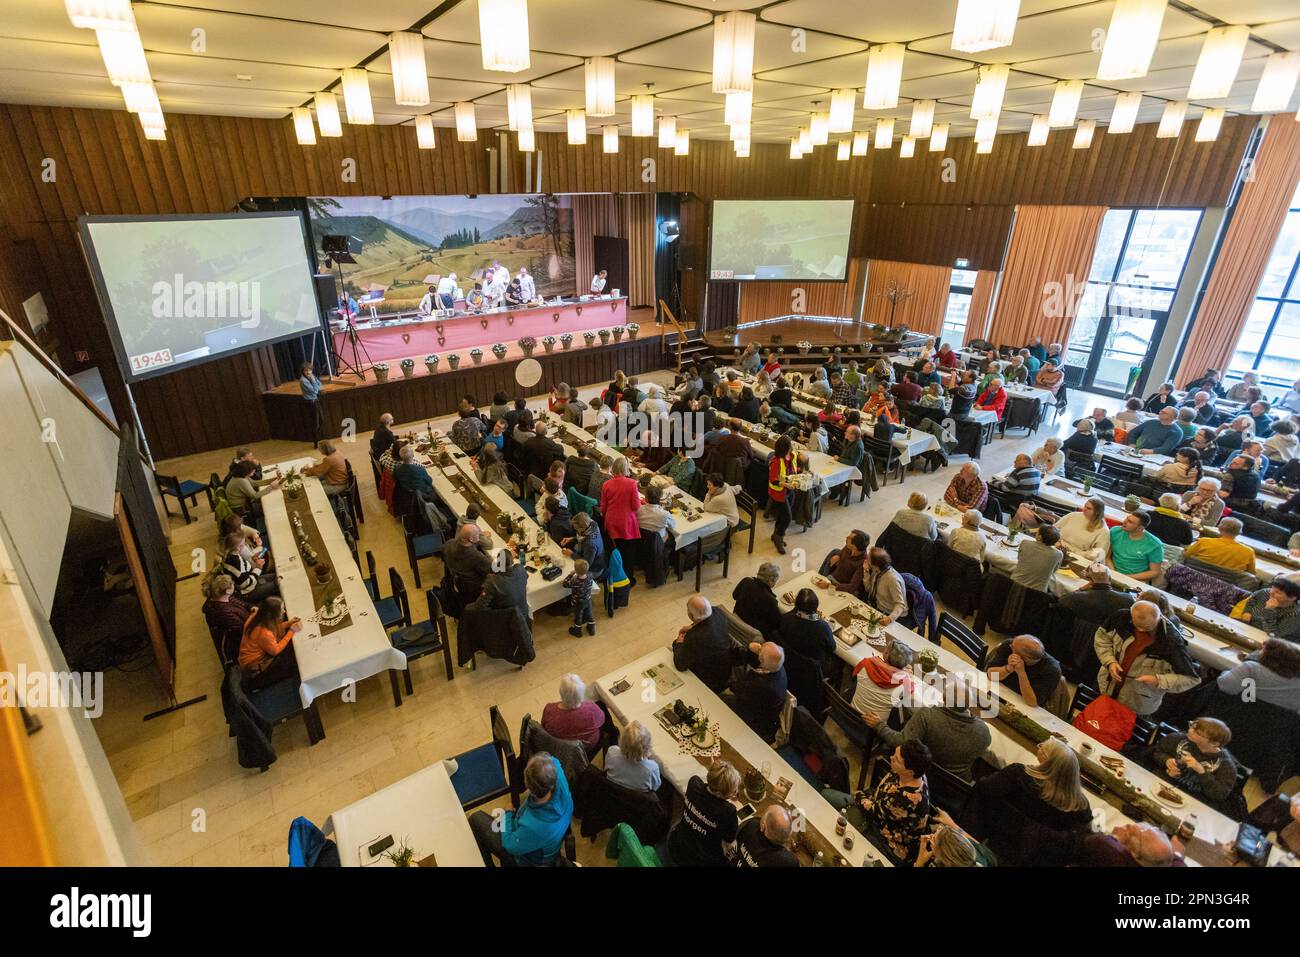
(1134, 551)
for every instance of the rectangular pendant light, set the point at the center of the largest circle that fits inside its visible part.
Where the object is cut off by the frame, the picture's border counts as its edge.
(740, 133)
(154, 133)
(667, 132)
(1124, 115)
(991, 87)
(843, 150)
(527, 140)
(861, 142)
(503, 35)
(643, 115)
(795, 151)
(739, 108)
(425, 138)
(939, 138)
(742, 150)
(327, 114)
(1171, 120)
(600, 86)
(733, 52)
(842, 104)
(683, 145)
(410, 75)
(1217, 66)
(154, 121)
(1065, 103)
(986, 130)
(984, 24)
(885, 133)
(805, 140)
(123, 55)
(609, 139)
(519, 106)
(984, 146)
(1131, 39)
(819, 128)
(884, 75)
(356, 97)
(577, 126)
(302, 126)
(1038, 131)
(1207, 131)
(907, 147)
(922, 118)
(1277, 83)
(101, 14)
(466, 123)
(140, 98)
(1083, 134)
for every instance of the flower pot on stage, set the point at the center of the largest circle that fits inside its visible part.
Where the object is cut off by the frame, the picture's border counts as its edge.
(380, 370)
(408, 368)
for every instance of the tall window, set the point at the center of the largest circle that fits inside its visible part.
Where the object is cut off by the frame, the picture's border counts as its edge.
(1270, 341)
(960, 290)
(1135, 273)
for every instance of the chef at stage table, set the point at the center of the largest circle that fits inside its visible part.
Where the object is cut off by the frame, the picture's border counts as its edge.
(429, 302)
(598, 283)
(500, 273)
(526, 284)
(447, 290)
(494, 286)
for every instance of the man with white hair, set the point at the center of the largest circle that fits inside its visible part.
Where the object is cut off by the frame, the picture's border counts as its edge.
(761, 841)
(448, 287)
(1143, 657)
(755, 598)
(468, 560)
(573, 717)
(1128, 845)
(527, 287)
(760, 689)
(1098, 598)
(654, 407)
(703, 646)
(383, 438)
(1202, 408)
(1049, 458)
(411, 475)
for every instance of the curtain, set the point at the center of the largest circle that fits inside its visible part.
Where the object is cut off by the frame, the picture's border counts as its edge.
(977, 322)
(923, 310)
(1045, 273)
(629, 216)
(1247, 246)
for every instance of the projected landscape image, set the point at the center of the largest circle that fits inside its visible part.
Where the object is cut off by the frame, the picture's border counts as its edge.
(406, 240)
(794, 239)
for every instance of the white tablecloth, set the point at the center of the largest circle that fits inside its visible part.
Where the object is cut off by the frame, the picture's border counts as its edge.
(641, 700)
(362, 649)
(421, 810)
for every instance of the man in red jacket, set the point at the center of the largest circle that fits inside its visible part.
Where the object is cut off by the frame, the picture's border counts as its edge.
(994, 398)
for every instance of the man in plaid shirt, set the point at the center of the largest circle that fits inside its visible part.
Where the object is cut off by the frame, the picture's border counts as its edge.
(841, 392)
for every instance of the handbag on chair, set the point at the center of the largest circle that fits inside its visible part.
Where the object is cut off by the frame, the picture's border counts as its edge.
(1107, 721)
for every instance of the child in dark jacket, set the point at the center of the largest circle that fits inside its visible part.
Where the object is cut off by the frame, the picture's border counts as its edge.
(1198, 762)
(579, 584)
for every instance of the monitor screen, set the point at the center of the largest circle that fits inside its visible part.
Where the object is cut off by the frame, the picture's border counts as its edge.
(789, 239)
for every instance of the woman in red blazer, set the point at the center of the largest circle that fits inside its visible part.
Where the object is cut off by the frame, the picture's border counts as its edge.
(994, 398)
(619, 500)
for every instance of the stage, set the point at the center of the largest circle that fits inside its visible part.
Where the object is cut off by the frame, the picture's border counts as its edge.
(392, 340)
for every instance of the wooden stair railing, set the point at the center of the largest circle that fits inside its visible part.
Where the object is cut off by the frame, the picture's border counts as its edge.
(666, 313)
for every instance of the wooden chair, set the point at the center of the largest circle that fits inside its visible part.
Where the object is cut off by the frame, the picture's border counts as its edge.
(183, 490)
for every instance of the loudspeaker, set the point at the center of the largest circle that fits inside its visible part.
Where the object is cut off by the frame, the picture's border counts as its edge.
(334, 243)
(327, 292)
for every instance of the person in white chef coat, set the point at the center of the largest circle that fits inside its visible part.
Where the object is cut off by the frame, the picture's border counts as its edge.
(495, 280)
(527, 287)
(598, 283)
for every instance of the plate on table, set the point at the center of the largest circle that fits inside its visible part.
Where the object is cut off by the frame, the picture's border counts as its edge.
(1167, 795)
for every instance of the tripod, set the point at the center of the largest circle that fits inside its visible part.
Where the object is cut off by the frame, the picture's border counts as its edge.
(354, 344)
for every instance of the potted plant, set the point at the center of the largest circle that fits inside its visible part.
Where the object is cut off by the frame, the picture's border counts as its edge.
(381, 371)
(499, 350)
(403, 855)
(755, 785)
(618, 333)
(476, 355)
(589, 337)
(804, 346)
(548, 343)
(632, 329)
(604, 336)
(408, 368)
(453, 360)
(566, 340)
(929, 660)
(431, 362)
(1132, 503)
(527, 344)
(323, 571)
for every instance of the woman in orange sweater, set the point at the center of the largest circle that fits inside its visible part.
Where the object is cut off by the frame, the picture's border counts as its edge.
(265, 655)
(781, 464)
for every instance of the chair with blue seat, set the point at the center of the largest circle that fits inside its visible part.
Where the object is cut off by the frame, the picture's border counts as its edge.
(309, 847)
(491, 770)
(420, 639)
(183, 491)
(391, 611)
(420, 544)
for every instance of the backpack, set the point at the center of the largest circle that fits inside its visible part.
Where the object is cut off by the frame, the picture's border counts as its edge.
(1106, 720)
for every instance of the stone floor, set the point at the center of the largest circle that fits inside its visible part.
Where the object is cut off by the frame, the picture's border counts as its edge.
(194, 805)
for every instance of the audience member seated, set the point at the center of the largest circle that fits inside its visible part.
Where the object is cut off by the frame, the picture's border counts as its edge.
(265, 650)
(1098, 598)
(1023, 479)
(804, 631)
(652, 516)
(1203, 504)
(1143, 657)
(993, 399)
(243, 491)
(468, 560)
(554, 517)
(1085, 531)
(908, 390)
(1037, 559)
(704, 646)
(709, 822)
(1102, 426)
(1131, 415)
(1169, 524)
(1223, 550)
(954, 735)
(968, 538)
(761, 841)
(1274, 609)
(883, 587)
(1271, 674)
(1240, 484)
(1198, 762)
(1282, 445)
(1184, 471)
(759, 688)
(1134, 551)
(967, 490)
(1048, 458)
(468, 429)
(1050, 377)
(573, 717)
(1161, 399)
(1241, 391)
(680, 469)
(411, 476)
(1024, 666)
(747, 406)
(1210, 382)
(533, 834)
(897, 812)
(963, 395)
(253, 579)
(1158, 436)
(884, 684)
(631, 763)
(846, 564)
(1128, 845)
(720, 498)
(1202, 406)
(915, 520)
(383, 437)
(756, 602)
(223, 610)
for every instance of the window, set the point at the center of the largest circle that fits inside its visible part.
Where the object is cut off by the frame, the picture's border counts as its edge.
(961, 288)
(1135, 272)
(1270, 341)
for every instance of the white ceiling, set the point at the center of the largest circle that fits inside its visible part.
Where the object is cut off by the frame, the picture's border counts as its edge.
(293, 48)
